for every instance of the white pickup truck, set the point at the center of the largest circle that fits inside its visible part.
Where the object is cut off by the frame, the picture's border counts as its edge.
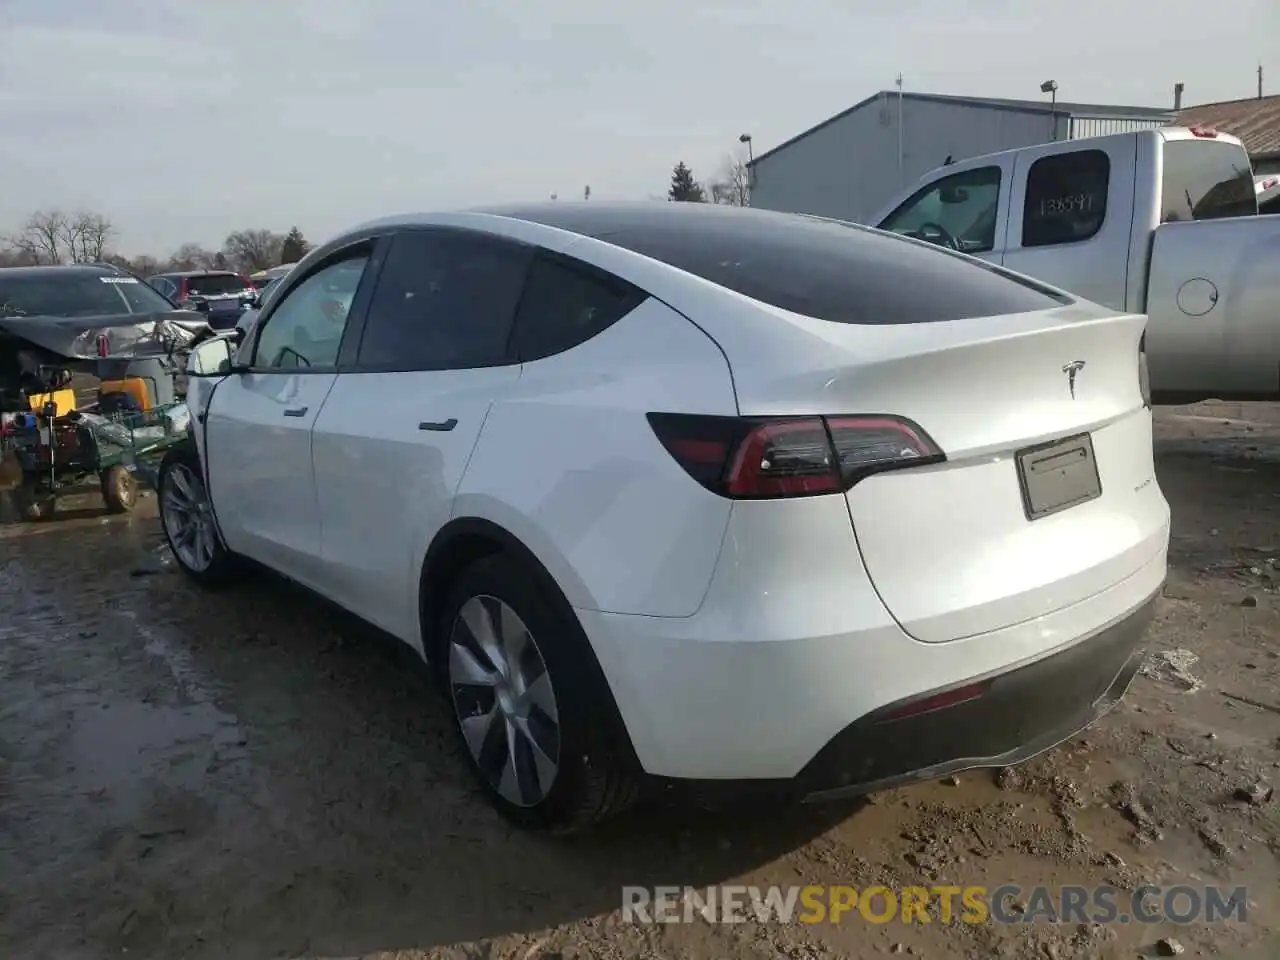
(1163, 222)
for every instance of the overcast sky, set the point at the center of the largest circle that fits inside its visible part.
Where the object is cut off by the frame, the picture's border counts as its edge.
(184, 120)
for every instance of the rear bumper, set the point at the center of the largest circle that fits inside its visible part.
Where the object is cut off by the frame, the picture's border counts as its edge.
(1022, 713)
(798, 696)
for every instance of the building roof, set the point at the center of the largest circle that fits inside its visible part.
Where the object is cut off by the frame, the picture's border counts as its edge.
(1062, 107)
(1256, 122)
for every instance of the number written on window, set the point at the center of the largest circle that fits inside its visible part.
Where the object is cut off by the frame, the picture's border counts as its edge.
(1072, 203)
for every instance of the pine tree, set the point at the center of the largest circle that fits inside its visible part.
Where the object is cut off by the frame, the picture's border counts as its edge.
(684, 187)
(295, 246)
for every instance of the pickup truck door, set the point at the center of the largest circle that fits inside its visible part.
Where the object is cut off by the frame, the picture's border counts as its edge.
(395, 437)
(964, 207)
(1072, 215)
(259, 422)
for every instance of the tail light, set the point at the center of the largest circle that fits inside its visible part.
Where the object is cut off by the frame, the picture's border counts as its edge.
(184, 289)
(749, 458)
(104, 345)
(1144, 378)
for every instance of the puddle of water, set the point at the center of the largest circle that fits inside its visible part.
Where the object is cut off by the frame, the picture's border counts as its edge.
(123, 750)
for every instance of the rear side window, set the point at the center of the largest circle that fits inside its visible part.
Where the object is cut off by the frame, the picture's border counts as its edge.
(1066, 198)
(1206, 180)
(445, 300)
(831, 270)
(567, 303)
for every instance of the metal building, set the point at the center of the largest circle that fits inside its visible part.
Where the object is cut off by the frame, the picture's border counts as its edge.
(851, 165)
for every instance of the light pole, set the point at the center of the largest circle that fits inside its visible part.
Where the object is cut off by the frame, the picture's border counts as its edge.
(1051, 87)
(746, 138)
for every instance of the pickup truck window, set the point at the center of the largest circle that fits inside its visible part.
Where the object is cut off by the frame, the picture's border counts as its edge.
(1206, 180)
(958, 211)
(1066, 198)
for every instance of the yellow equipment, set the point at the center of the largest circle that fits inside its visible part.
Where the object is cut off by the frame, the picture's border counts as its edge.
(63, 400)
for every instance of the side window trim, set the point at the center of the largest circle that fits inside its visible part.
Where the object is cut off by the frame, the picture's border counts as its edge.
(375, 248)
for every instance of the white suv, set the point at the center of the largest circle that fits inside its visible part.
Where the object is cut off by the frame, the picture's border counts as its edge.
(687, 494)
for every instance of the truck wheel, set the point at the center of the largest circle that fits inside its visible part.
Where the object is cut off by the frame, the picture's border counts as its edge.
(186, 516)
(119, 489)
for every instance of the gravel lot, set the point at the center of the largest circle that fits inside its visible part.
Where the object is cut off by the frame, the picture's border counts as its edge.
(248, 775)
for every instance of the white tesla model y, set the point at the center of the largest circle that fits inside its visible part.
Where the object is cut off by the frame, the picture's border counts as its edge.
(690, 494)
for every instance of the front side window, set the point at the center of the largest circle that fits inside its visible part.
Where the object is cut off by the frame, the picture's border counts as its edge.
(958, 211)
(305, 330)
(1066, 198)
(445, 300)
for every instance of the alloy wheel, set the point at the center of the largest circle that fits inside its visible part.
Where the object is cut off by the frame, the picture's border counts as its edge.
(504, 700)
(188, 518)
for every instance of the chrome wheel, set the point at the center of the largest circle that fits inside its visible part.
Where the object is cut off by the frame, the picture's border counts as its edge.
(504, 701)
(188, 518)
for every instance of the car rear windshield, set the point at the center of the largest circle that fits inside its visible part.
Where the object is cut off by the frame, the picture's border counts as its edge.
(214, 285)
(831, 270)
(1206, 180)
(76, 295)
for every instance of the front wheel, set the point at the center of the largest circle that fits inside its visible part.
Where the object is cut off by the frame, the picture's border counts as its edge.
(537, 724)
(186, 516)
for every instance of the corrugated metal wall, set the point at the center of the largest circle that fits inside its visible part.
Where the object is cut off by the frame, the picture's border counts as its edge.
(1084, 127)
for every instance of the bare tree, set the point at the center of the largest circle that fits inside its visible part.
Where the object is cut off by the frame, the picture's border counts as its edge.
(192, 256)
(95, 233)
(253, 249)
(20, 250)
(69, 237)
(733, 186)
(43, 235)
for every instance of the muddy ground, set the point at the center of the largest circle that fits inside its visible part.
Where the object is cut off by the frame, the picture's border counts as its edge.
(247, 775)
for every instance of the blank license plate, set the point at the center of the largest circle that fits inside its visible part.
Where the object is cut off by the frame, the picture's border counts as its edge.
(1058, 475)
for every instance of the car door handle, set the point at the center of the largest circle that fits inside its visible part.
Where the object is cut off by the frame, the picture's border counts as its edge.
(441, 426)
(296, 412)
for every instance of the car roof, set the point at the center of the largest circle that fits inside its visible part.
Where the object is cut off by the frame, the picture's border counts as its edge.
(590, 218)
(72, 269)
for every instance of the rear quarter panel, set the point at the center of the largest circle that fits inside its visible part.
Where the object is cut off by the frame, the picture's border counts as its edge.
(1213, 299)
(569, 465)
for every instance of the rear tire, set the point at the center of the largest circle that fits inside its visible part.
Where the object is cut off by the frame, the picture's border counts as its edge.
(186, 516)
(535, 684)
(119, 489)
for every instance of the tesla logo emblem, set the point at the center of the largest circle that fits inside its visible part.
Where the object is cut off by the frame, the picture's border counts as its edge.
(1071, 369)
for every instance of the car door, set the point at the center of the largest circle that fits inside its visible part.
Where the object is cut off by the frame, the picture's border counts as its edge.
(966, 211)
(394, 438)
(1072, 217)
(259, 421)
